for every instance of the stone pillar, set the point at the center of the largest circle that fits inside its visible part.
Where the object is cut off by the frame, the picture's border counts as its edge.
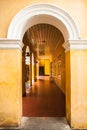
(37, 70)
(23, 73)
(76, 83)
(30, 68)
(35, 78)
(10, 83)
(33, 68)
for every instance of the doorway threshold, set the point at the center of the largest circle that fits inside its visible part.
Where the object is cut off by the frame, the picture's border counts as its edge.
(44, 123)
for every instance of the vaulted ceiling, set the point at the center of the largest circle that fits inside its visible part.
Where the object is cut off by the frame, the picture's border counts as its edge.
(44, 38)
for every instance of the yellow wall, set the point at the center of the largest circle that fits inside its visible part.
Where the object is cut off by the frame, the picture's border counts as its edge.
(68, 86)
(37, 70)
(59, 73)
(10, 87)
(76, 88)
(79, 88)
(47, 67)
(76, 8)
(41, 62)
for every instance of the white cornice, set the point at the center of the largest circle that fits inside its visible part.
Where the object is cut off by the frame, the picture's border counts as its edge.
(10, 44)
(75, 45)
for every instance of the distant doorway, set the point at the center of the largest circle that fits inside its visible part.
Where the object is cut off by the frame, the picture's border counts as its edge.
(41, 70)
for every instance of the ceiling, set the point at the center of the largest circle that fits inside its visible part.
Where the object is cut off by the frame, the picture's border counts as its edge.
(44, 39)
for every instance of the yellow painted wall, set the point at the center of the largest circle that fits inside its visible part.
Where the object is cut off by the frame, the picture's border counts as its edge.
(76, 88)
(41, 62)
(47, 67)
(76, 8)
(59, 73)
(37, 70)
(10, 87)
(68, 86)
(79, 88)
(23, 75)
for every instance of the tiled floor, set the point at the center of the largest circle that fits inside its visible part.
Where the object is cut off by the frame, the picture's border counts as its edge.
(44, 100)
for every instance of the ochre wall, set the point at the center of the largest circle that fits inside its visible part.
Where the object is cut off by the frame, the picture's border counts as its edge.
(10, 87)
(76, 8)
(41, 62)
(68, 86)
(47, 67)
(78, 88)
(23, 74)
(58, 66)
(37, 70)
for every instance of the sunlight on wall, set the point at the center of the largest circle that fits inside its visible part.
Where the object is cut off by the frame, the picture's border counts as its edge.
(58, 67)
(41, 62)
(47, 67)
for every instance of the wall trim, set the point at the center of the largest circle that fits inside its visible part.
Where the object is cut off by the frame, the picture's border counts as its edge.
(75, 45)
(10, 44)
(43, 13)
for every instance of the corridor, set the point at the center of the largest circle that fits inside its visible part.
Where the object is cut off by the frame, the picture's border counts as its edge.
(44, 100)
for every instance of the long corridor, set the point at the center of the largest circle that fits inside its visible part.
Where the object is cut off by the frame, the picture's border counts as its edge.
(44, 100)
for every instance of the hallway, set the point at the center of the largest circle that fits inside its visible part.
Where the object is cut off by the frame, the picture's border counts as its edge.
(44, 100)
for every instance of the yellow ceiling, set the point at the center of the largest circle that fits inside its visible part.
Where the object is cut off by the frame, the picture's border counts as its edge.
(44, 39)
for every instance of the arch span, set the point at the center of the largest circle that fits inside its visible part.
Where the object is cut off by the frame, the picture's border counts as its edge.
(43, 13)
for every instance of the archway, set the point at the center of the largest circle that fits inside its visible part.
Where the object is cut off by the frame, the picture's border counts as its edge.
(43, 13)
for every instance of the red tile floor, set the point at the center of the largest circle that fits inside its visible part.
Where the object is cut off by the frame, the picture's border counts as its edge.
(44, 100)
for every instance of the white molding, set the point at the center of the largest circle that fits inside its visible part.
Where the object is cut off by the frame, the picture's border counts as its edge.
(43, 13)
(10, 44)
(75, 45)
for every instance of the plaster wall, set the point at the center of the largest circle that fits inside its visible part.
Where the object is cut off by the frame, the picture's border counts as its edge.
(58, 66)
(68, 86)
(10, 87)
(78, 88)
(75, 8)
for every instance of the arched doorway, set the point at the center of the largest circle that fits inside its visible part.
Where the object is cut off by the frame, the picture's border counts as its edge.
(42, 13)
(46, 41)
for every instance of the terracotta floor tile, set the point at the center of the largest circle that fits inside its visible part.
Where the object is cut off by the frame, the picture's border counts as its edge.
(44, 100)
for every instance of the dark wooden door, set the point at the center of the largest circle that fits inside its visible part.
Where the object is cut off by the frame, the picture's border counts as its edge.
(41, 70)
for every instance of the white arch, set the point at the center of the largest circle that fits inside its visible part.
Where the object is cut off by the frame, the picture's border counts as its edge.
(42, 13)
